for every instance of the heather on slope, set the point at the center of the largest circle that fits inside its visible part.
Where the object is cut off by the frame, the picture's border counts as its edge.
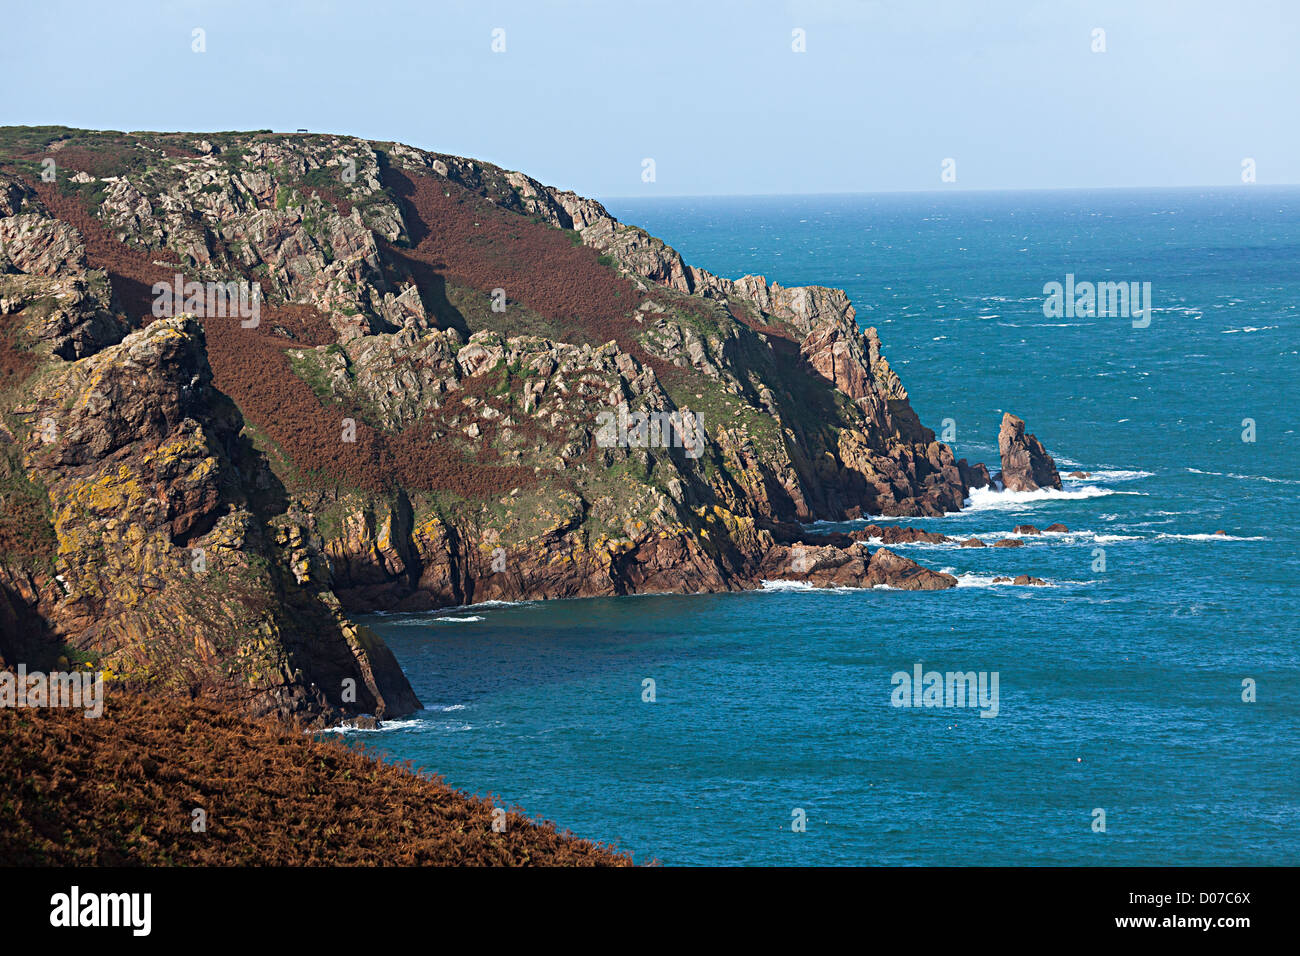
(122, 790)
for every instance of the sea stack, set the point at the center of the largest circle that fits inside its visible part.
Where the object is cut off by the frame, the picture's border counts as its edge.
(1026, 465)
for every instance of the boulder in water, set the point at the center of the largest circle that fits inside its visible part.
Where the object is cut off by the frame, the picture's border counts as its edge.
(1026, 465)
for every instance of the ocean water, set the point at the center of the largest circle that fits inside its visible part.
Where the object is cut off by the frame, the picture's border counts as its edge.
(1120, 687)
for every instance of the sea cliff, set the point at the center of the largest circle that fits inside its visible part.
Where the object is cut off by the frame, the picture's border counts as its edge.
(397, 402)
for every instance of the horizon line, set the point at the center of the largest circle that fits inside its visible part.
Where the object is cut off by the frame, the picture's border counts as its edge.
(921, 192)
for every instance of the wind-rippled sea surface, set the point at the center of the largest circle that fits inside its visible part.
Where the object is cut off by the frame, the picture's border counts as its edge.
(1120, 689)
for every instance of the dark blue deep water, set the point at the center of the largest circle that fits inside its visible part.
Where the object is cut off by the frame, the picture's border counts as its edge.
(1120, 688)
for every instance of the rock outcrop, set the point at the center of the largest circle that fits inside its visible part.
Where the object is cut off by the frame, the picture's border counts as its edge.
(892, 534)
(829, 566)
(1026, 465)
(146, 472)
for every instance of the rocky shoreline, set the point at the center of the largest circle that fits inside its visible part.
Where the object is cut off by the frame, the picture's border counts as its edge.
(412, 419)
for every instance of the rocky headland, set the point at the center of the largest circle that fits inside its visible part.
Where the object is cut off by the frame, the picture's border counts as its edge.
(453, 384)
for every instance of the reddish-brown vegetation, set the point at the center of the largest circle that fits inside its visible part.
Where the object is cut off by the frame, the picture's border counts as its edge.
(250, 365)
(25, 528)
(743, 314)
(486, 247)
(457, 234)
(121, 790)
(16, 363)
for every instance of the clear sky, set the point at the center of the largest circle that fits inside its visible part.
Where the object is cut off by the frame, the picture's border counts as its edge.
(711, 90)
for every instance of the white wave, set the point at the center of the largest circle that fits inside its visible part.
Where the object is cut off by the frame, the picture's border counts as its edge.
(425, 620)
(1110, 474)
(972, 580)
(384, 725)
(985, 499)
(787, 586)
(1045, 536)
(880, 543)
(1222, 474)
(805, 586)
(1086, 535)
(1183, 309)
(1249, 328)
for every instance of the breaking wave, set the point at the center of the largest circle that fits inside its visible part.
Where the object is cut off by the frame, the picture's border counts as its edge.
(986, 499)
(1110, 474)
(407, 724)
(425, 620)
(805, 586)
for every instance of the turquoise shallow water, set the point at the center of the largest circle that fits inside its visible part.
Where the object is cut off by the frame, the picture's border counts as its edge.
(1119, 689)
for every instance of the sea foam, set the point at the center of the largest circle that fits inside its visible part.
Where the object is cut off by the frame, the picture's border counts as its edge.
(986, 499)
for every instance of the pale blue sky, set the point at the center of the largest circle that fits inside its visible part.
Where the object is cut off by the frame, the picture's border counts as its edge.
(710, 89)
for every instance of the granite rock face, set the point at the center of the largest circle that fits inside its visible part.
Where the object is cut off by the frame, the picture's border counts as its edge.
(1026, 465)
(167, 574)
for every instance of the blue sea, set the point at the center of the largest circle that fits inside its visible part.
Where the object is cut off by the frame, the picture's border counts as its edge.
(1120, 686)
